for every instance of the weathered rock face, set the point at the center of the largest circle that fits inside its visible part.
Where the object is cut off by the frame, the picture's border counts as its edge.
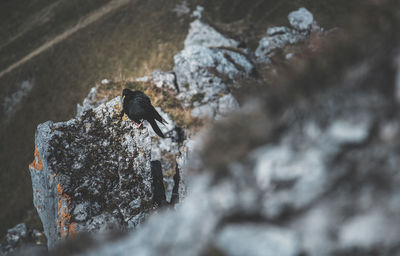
(203, 34)
(207, 69)
(91, 173)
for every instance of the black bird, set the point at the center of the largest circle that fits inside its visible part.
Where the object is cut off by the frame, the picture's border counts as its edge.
(137, 106)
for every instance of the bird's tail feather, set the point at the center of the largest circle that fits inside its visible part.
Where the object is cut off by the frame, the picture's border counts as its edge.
(156, 129)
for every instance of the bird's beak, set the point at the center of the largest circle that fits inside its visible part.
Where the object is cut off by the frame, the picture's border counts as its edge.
(123, 97)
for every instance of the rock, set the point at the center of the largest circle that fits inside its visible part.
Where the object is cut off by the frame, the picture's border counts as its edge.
(16, 234)
(261, 240)
(278, 31)
(204, 111)
(89, 102)
(91, 173)
(197, 12)
(105, 81)
(206, 73)
(204, 35)
(303, 24)
(165, 80)
(269, 44)
(181, 9)
(301, 19)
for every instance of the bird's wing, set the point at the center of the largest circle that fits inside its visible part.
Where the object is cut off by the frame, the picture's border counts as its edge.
(156, 129)
(145, 103)
(158, 117)
(153, 114)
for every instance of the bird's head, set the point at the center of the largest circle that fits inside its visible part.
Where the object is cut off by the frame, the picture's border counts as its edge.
(126, 92)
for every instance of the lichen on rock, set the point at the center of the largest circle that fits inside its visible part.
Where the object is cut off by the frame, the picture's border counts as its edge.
(95, 176)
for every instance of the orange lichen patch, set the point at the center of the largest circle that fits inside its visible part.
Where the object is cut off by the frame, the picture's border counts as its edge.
(64, 225)
(72, 229)
(53, 176)
(37, 162)
(59, 189)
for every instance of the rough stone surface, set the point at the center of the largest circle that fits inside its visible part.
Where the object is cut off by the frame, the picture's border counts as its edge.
(203, 34)
(91, 173)
(204, 74)
(20, 236)
(165, 80)
(302, 22)
(91, 101)
(301, 19)
(197, 12)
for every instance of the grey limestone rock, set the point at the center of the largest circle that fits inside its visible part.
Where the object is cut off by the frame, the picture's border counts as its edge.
(207, 68)
(204, 74)
(203, 34)
(91, 101)
(165, 80)
(91, 173)
(301, 19)
(302, 22)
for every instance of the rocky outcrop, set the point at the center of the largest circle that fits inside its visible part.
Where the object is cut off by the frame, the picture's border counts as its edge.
(203, 34)
(91, 173)
(313, 170)
(303, 24)
(322, 180)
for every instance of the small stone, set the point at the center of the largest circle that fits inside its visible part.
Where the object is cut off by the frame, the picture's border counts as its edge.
(301, 19)
(16, 234)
